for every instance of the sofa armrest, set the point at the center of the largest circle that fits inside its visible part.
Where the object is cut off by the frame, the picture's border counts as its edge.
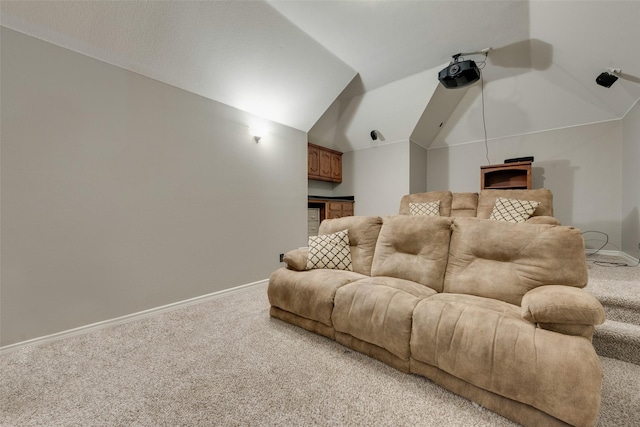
(561, 305)
(543, 220)
(576, 330)
(296, 259)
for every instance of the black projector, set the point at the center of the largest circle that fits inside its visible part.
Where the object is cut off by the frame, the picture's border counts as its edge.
(459, 74)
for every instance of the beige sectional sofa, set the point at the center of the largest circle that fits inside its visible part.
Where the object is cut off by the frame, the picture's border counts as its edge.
(480, 205)
(490, 310)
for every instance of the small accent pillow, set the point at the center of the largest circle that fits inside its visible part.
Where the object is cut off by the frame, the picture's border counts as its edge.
(425, 208)
(512, 210)
(330, 251)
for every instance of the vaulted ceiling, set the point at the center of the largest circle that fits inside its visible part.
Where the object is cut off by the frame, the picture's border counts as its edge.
(288, 61)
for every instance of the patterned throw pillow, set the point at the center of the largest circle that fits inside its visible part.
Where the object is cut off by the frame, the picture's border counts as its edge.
(512, 210)
(426, 209)
(330, 251)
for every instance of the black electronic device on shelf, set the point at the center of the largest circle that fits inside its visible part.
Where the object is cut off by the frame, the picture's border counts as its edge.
(519, 159)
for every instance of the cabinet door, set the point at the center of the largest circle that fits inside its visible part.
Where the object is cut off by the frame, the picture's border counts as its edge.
(314, 161)
(334, 210)
(339, 209)
(325, 164)
(336, 167)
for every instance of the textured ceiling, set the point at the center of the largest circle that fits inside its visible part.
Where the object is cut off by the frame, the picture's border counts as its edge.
(287, 61)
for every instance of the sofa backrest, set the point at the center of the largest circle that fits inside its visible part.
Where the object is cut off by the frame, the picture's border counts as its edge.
(544, 197)
(413, 248)
(503, 260)
(478, 205)
(445, 198)
(363, 234)
(464, 204)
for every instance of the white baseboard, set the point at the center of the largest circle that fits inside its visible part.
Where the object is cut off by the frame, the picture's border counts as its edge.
(627, 257)
(129, 317)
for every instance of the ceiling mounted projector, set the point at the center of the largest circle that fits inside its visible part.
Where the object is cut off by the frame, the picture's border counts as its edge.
(459, 74)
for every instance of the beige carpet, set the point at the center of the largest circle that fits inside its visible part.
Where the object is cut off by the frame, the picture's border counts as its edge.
(618, 289)
(227, 363)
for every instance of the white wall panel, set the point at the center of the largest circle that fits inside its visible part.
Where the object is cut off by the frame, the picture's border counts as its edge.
(580, 165)
(378, 178)
(631, 182)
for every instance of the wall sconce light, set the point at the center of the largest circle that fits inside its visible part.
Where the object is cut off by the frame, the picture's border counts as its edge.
(257, 133)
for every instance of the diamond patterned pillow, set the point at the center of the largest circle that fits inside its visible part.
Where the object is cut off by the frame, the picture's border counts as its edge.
(512, 210)
(330, 251)
(425, 208)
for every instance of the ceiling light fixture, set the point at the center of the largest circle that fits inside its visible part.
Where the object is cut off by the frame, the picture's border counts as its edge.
(461, 73)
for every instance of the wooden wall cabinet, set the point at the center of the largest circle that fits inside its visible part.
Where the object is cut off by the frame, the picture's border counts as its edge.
(321, 209)
(324, 164)
(313, 161)
(506, 176)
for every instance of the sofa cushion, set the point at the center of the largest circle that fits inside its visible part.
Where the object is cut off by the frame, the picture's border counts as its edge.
(329, 251)
(512, 210)
(504, 261)
(363, 234)
(444, 197)
(544, 197)
(425, 208)
(413, 248)
(379, 310)
(496, 351)
(464, 204)
(308, 294)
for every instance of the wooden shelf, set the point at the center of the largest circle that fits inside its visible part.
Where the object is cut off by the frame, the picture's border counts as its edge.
(507, 176)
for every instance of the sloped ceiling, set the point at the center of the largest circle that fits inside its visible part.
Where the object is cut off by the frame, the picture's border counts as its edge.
(241, 53)
(548, 81)
(287, 61)
(388, 40)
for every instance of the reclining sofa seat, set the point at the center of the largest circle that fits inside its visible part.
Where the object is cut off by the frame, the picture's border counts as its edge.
(489, 310)
(305, 297)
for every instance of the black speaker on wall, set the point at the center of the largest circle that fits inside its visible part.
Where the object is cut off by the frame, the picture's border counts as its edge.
(606, 79)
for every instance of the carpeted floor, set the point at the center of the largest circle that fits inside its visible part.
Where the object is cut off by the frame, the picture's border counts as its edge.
(225, 362)
(617, 286)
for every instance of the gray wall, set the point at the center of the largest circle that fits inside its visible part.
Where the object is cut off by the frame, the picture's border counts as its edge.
(580, 165)
(418, 157)
(631, 181)
(120, 193)
(377, 177)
